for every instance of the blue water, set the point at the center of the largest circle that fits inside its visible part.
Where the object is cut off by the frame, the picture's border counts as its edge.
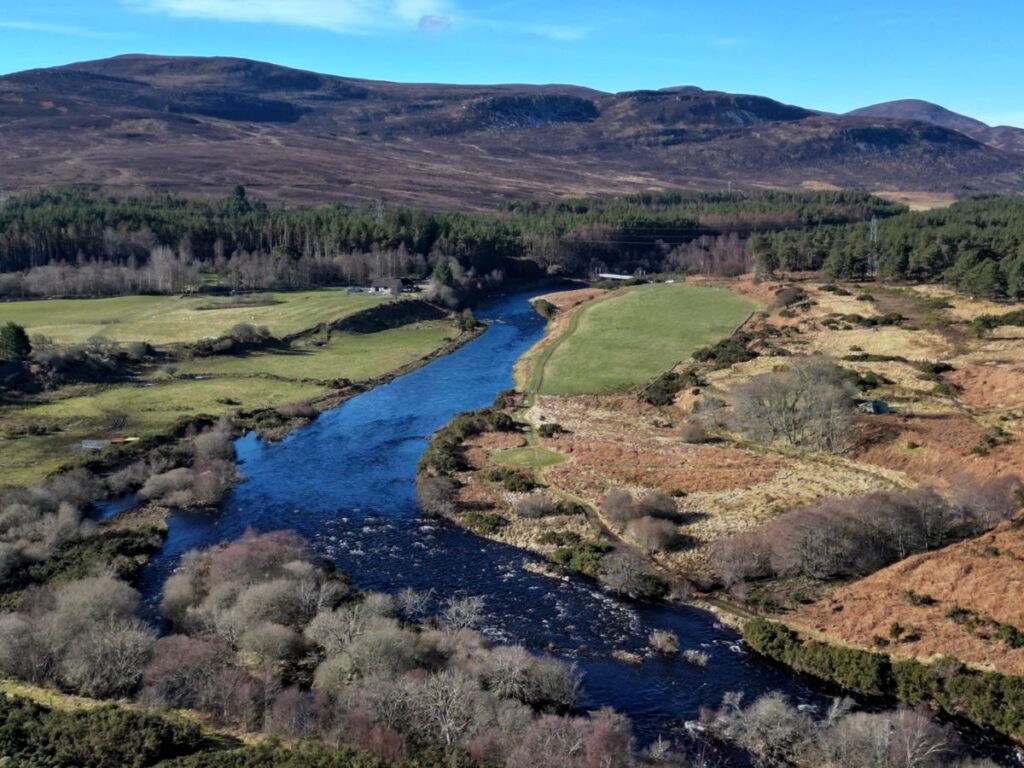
(346, 483)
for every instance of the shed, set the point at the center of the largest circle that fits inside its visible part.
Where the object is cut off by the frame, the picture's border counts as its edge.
(391, 285)
(875, 407)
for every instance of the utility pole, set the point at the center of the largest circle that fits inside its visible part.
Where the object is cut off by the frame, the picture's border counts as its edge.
(378, 220)
(873, 251)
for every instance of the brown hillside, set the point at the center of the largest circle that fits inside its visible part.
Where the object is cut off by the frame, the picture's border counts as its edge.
(200, 125)
(985, 575)
(1001, 137)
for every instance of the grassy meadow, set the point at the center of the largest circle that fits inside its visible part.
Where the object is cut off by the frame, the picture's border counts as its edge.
(530, 457)
(41, 433)
(633, 335)
(139, 410)
(173, 319)
(346, 356)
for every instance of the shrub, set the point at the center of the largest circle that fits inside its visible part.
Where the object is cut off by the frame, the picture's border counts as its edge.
(437, 495)
(14, 342)
(913, 598)
(709, 412)
(652, 534)
(628, 574)
(32, 735)
(512, 480)
(697, 658)
(993, 437)
(445, 454)
(544, 308)
(535, 505)
(662, 391)
(82, 635)
(560, 538)
(272, 754)
(790, 295)
(484, 523)
(659, 505)
(36, 521)
(582, 556)
(551, 429)
(302, 409)
(664, 641)
(116, 552)
(216, 443)
(181, 670)
(510, 672)
(694, 433)
(729, 351)
(988, 699)
(620, 507)
(844, 537)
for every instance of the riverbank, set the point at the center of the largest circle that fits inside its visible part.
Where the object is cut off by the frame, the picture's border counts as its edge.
(100, 398)
(987, 699)
(124, 541)
(594, 444)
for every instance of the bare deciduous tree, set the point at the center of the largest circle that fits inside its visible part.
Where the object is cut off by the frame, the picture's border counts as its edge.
(652, 534)
(437, 495)
(809, 405)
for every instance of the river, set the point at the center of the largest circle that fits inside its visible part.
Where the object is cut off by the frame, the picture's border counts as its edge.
(345, 482)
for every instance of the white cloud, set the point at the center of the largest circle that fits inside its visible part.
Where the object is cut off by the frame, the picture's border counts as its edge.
(348, 16)
(354, 16)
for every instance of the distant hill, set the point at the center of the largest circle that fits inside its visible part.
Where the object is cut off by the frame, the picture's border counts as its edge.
(924, 111)
(1002, 137)
(201, 125)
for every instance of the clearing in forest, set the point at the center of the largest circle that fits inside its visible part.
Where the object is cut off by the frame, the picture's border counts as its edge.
(634, 335)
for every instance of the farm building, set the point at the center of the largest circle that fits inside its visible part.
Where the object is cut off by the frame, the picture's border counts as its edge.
(391, 286)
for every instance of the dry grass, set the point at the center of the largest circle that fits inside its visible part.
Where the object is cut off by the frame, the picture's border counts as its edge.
(921, 345)
(963, 308)
(934, 449)
(919, 200)
(479, 494)
(615, 442)
(981, 574)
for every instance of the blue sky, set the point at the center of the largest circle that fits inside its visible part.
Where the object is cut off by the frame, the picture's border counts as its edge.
(821, 54)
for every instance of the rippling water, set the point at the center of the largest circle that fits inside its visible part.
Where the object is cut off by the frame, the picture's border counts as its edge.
(346, 483)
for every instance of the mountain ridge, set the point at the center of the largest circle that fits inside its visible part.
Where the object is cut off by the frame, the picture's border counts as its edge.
(1004, 137)
(198, 125)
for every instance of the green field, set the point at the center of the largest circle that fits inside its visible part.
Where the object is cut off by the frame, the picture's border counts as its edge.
(531, 457)
(346, 356)
(632, 336)
(138, 410)
(173, 319)
(252, 381)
